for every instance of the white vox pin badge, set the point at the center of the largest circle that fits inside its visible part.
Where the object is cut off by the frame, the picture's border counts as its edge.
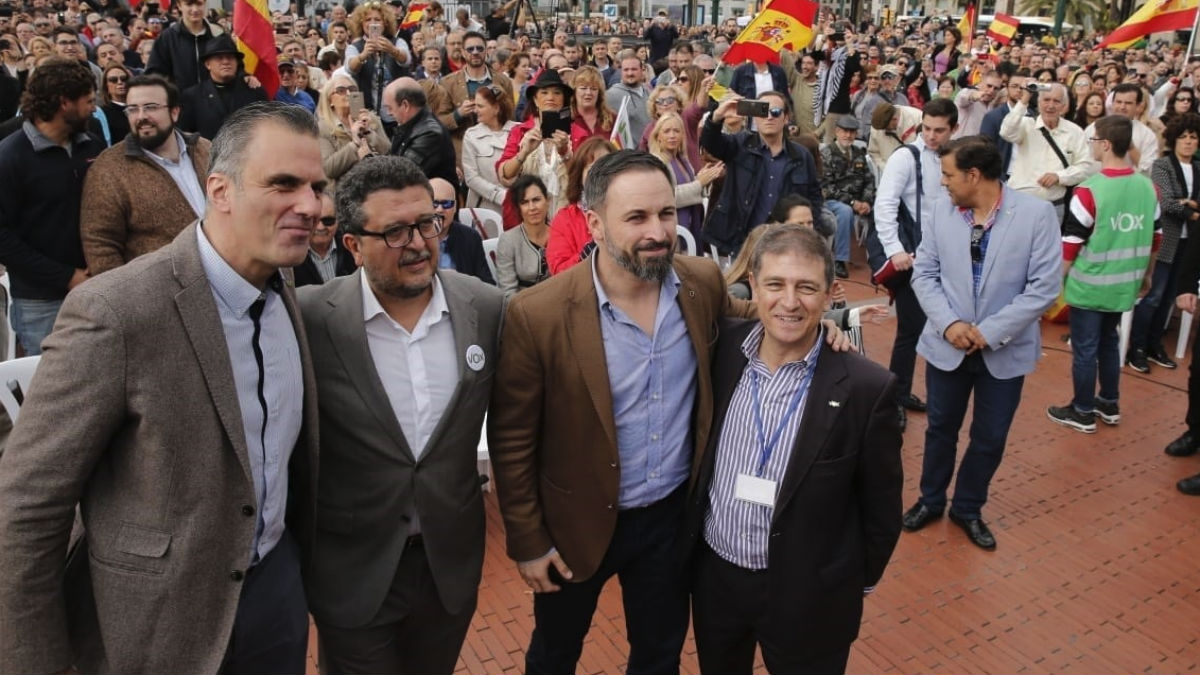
(475, 358)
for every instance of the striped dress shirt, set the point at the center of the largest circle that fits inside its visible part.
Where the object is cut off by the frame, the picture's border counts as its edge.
(736, 530)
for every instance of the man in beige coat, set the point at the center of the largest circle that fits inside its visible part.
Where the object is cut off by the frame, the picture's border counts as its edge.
(175, 406)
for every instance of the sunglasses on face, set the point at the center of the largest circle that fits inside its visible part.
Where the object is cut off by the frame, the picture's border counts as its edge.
(776, 112)
(443, 204)
(327, 222)
(1184, 99)
(474, 49)
(113, 79)
(343, 90)
(665, 100)
(709, 71)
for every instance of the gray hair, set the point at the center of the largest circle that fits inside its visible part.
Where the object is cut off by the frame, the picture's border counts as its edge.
(228, 153)
(778, 239)
(608, 167)
(383, 172)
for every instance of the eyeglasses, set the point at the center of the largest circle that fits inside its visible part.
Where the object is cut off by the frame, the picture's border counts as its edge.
(709, 71)
(327, 222)
(1184, 99)
(665, 100)
(683, 79)
(977, 243)
(399, 236)
(343, 89)
(776, 112)
(443, 204)
(113, 79)
(147, 108)
(474, 49)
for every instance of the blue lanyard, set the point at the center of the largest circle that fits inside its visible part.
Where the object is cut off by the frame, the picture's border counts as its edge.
(769, 446)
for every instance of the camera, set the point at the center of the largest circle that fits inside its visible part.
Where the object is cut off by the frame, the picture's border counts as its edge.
(1035, 87)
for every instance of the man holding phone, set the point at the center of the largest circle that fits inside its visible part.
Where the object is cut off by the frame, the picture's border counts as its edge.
(767, 167)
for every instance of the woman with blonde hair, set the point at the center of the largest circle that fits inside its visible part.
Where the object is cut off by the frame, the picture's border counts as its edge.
(345, 139)
(39, 47)
(664, 99)
(667, 142)
(590, 115)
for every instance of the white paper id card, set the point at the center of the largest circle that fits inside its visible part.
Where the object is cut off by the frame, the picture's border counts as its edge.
(754, 490)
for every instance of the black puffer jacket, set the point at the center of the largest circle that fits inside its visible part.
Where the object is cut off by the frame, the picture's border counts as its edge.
(177, 54)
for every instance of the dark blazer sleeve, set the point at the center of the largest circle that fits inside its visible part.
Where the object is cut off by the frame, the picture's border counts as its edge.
(465, 247)
(1188, 276)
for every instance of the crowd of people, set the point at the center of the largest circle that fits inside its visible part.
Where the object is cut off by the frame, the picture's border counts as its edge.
(269, 330)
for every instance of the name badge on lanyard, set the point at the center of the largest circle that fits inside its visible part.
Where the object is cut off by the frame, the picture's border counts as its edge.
(753, 488)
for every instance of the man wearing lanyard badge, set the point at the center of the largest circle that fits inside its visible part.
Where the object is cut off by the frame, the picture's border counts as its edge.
(797, 506)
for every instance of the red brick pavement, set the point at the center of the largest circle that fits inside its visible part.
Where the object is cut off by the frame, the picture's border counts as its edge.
(1095, 569)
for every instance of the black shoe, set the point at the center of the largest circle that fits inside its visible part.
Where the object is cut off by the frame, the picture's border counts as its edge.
(1184, 446)
(919, 516)
(1159, 356)
(1109, 413)
(1136, 359)
(912, 403)
(977, 531)
(1189, 485)
(901, 418)
(1068, 416)
(840, 271)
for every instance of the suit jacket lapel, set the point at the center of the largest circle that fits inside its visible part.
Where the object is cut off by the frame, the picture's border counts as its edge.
(586, 342)
(464, 319)
(346, 328)
(829, 385)
(202, 322)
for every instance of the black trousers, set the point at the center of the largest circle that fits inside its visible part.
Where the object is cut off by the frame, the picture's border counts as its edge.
(910, 321)
(643, 555)
(412, 634)
(1193, 408)
(270, 632)
(729, 618)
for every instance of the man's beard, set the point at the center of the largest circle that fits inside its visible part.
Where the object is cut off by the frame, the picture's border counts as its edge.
(78, 125)
(154, 141)
(401, 290)
(649, 269)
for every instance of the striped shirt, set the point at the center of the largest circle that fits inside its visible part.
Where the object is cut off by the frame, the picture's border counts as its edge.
(738, 530)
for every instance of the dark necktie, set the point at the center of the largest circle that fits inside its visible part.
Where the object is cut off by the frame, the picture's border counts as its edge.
(256, 311)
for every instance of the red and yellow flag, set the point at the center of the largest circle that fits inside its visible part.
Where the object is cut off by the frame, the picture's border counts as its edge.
(1156, 16)
(782, 24)
(416, 12)
(255, 36)
(1003, 28)
(966, 27)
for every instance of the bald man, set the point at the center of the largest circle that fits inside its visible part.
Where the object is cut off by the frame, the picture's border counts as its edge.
(460, 247)
(419, 136)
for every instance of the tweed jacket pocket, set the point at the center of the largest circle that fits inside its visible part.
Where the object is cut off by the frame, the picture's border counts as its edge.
(137, 549)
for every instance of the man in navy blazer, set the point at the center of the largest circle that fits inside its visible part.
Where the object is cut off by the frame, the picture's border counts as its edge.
(744, 81)
(987, 267)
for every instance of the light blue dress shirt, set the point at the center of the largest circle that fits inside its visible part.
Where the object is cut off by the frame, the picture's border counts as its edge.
(653, 384)
(283, 387)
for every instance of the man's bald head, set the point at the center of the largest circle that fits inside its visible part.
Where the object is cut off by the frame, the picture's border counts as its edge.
(404, 98)
(444, 202)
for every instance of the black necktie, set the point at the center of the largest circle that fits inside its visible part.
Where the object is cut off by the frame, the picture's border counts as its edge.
(256, 311)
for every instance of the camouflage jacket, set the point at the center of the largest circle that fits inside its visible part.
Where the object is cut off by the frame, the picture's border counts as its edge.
(847, 177)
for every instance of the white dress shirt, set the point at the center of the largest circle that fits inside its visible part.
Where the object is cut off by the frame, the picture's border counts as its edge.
(899, 182)
(418, 370)
(1032, 156)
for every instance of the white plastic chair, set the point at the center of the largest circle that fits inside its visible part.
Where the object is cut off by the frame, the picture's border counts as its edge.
(689, 241)
(489, 253)
(10, 351)
(20, 373)
(491, 221)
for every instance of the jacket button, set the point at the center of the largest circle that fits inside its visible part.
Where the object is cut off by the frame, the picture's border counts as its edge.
(247, 510)
(613, 464)
(610, 506)
(237, 575)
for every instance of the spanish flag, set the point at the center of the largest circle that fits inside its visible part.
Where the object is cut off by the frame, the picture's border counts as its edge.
(255, 35)
(416, 12)
(782, 24)
(1156, 16)
(966, 27)
(1003, 28)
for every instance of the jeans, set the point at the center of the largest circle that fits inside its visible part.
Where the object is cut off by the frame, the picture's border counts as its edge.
(654, 589)
(32, 321)
(845, 226)
(1151, 314)
(1094, 346)
(996, 403)
(910, 321)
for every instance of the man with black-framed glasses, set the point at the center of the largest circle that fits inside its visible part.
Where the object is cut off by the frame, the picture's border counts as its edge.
(761, 166)
(986, 269)
(404, 355)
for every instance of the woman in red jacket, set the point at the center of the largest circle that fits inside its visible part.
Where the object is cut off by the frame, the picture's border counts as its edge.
(569, 237)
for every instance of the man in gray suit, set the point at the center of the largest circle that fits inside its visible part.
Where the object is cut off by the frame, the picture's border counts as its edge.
(404, 358)
(987, 267)
(175, 405)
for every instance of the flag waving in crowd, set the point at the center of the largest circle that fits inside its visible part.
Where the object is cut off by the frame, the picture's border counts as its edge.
(256, 42)
(1156, 16)
(782, 24)
(966, 27)
(1003, 28)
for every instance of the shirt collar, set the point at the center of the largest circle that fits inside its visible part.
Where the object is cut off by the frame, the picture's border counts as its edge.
(753, 342)
(434, 311)
(332, 249)
(486, 79)
(602, 297)
(183, 155)
(42, 142)
(231, 288)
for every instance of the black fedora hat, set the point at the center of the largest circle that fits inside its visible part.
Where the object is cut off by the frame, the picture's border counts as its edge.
(549, 78)
(221, 44)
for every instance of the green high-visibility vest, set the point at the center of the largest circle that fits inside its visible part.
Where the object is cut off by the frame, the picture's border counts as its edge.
(1108, 271)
